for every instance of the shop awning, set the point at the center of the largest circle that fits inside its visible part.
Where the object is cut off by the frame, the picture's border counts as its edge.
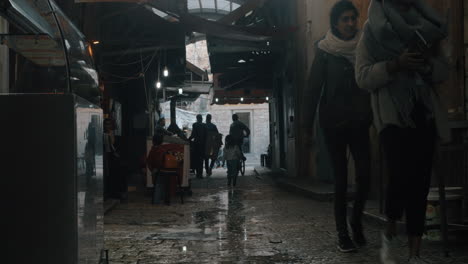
(49, 39)
(39, 49)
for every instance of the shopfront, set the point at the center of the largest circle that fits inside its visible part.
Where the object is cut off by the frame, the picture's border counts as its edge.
(51, 137)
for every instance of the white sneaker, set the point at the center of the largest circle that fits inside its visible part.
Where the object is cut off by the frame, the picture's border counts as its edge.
(417, 260)
(387, 252)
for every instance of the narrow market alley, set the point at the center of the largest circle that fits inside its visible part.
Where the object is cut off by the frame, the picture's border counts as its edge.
(255, 222)
(125, 121)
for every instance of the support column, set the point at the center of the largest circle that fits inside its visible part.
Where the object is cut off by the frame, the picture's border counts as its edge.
(4, 60)
(465, 33)
(173, 110)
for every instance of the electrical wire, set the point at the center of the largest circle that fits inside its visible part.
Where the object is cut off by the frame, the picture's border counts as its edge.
(136, 75)
(144, 80)
(124, 64)
(121, 77)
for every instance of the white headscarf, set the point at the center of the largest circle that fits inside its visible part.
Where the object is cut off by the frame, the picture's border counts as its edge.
(338, 47)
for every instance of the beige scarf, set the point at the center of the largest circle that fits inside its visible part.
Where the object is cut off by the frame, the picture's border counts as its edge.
(338, 47)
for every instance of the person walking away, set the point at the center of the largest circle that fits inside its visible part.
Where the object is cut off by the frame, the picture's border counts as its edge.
(232, 155)
(198, 137)
(213, 143)
(344, 114)
(238, 131)
(398, 61)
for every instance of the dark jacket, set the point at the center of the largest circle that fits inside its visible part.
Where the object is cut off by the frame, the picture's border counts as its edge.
(213, 141)
(210, 127)
(332, 85)
(237, 130)
(198, 134)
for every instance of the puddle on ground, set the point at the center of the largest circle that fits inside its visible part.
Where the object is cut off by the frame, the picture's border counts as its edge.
(187, 234)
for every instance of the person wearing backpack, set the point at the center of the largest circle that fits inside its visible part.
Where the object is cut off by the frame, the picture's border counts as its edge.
(344, 115)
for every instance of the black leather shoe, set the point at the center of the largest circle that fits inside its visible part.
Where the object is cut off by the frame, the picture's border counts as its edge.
(346, 245)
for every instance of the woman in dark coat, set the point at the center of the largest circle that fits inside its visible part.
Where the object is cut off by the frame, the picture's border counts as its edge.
(344, 114)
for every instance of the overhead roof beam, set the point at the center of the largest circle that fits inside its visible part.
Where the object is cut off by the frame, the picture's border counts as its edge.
(241, 11)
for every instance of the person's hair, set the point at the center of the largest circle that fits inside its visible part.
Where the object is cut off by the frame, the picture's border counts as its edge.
(235, 117)
(229, 142)
(337, 10)
(208, 117)
(161, 120)
(158, 139)
(199, 117)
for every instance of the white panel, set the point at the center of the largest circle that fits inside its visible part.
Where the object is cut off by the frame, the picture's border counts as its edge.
(193, 4)
(226, 5)
(235, 6)
(208, 4)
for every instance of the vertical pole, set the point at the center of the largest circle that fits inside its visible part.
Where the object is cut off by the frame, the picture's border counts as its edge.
(173, 110)
(4, 60)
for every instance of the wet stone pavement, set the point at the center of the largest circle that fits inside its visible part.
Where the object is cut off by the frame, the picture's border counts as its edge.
(254, 222)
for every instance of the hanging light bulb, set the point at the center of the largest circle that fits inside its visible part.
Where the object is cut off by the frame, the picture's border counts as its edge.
(268, 98)
(217, 100)
(158, 84)
(242, 99)
(166, 72)
(181, 91)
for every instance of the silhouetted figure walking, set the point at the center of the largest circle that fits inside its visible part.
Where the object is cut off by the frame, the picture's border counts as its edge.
(199, 141)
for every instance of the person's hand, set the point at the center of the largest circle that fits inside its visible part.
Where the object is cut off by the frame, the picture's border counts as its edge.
(411, 61)
(407, 61)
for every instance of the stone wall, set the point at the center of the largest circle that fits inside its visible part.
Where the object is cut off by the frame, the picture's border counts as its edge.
(259, 122)
(197, 54)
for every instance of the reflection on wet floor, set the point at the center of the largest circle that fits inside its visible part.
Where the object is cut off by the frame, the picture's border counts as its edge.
(213, 226)
(252, 223)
